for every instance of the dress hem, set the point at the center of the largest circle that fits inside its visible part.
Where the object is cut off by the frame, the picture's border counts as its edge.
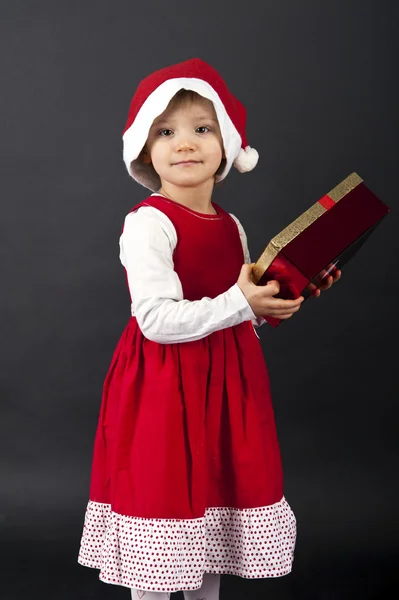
(169, 555)
(188, 589)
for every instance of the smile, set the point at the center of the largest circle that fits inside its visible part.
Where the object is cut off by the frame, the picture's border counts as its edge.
(187, 162)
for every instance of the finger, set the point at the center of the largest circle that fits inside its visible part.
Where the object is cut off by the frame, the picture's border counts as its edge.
(284, 305)
(337, 275)
(273, 284)
(285, 311)
(327, 284)
(323, 273)
(316, 293)
(280, 303)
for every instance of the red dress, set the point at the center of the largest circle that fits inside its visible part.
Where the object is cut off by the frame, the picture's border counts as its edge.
(186, 474)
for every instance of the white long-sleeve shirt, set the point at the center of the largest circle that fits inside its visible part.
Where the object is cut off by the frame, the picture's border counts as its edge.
(163, 315)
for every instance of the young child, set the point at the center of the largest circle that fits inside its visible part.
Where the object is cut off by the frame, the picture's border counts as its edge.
(187, 479)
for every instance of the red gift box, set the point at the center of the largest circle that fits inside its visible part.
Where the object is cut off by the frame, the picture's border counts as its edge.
(322, 239)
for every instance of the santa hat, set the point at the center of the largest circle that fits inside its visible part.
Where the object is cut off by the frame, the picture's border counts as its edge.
(152, 98)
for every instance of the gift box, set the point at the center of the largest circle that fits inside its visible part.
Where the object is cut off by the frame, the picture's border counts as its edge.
(321, 240)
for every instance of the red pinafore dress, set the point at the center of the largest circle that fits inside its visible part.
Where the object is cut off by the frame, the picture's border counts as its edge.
(186, 475)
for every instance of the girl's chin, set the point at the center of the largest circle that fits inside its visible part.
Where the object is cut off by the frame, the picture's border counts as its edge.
(186, 177)
(185, 182)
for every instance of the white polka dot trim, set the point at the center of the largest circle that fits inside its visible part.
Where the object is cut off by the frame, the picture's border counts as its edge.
(167, 555)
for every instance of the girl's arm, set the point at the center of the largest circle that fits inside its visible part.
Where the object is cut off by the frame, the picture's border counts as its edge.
(257, 321)
(164, 316)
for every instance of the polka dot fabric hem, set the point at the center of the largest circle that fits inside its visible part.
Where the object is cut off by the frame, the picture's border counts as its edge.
(167, 555)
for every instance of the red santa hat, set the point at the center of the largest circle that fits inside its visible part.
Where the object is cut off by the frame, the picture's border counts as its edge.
(152, 98)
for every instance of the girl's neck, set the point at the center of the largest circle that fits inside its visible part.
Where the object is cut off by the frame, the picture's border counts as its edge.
(198, 199)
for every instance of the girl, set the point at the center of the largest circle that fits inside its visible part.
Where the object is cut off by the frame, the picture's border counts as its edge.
(187, 480)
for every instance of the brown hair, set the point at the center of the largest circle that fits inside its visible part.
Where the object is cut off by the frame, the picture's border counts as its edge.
(186, 96)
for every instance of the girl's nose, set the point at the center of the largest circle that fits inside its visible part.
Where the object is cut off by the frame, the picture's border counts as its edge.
(185, 144)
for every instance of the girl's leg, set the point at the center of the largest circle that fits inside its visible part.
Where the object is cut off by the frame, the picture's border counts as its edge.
(141, 595)
(209, 589)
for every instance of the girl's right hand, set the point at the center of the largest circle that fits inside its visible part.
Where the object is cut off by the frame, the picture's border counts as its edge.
(260, 297)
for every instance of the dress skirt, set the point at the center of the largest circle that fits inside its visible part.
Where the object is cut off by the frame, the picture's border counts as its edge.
(186, 474)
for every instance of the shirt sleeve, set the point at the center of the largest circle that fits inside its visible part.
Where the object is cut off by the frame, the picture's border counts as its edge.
(164, 316)
(256, 321)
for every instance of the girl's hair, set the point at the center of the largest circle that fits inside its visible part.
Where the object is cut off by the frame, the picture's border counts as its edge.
(189, 96)
(186, 96)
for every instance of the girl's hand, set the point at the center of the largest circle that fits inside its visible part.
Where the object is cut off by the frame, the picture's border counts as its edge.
(335, 276)
(260, 297)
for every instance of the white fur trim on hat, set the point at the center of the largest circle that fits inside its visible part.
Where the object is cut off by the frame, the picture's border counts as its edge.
(136, 136)
(246, 159)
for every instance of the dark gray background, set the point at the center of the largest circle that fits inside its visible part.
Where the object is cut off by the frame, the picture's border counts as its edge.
(319, 80)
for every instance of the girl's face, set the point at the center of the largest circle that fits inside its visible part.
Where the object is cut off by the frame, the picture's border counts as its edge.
(185, 144)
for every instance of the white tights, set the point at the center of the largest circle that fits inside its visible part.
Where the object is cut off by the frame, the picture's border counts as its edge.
(209, 590)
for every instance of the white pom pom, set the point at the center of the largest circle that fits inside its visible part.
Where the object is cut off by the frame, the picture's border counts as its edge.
(246, 160)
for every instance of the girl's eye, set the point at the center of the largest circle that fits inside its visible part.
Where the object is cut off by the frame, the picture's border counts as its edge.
(165, 132)
(203, 129)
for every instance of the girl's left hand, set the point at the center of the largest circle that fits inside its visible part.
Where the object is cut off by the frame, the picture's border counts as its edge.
(316, 291)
